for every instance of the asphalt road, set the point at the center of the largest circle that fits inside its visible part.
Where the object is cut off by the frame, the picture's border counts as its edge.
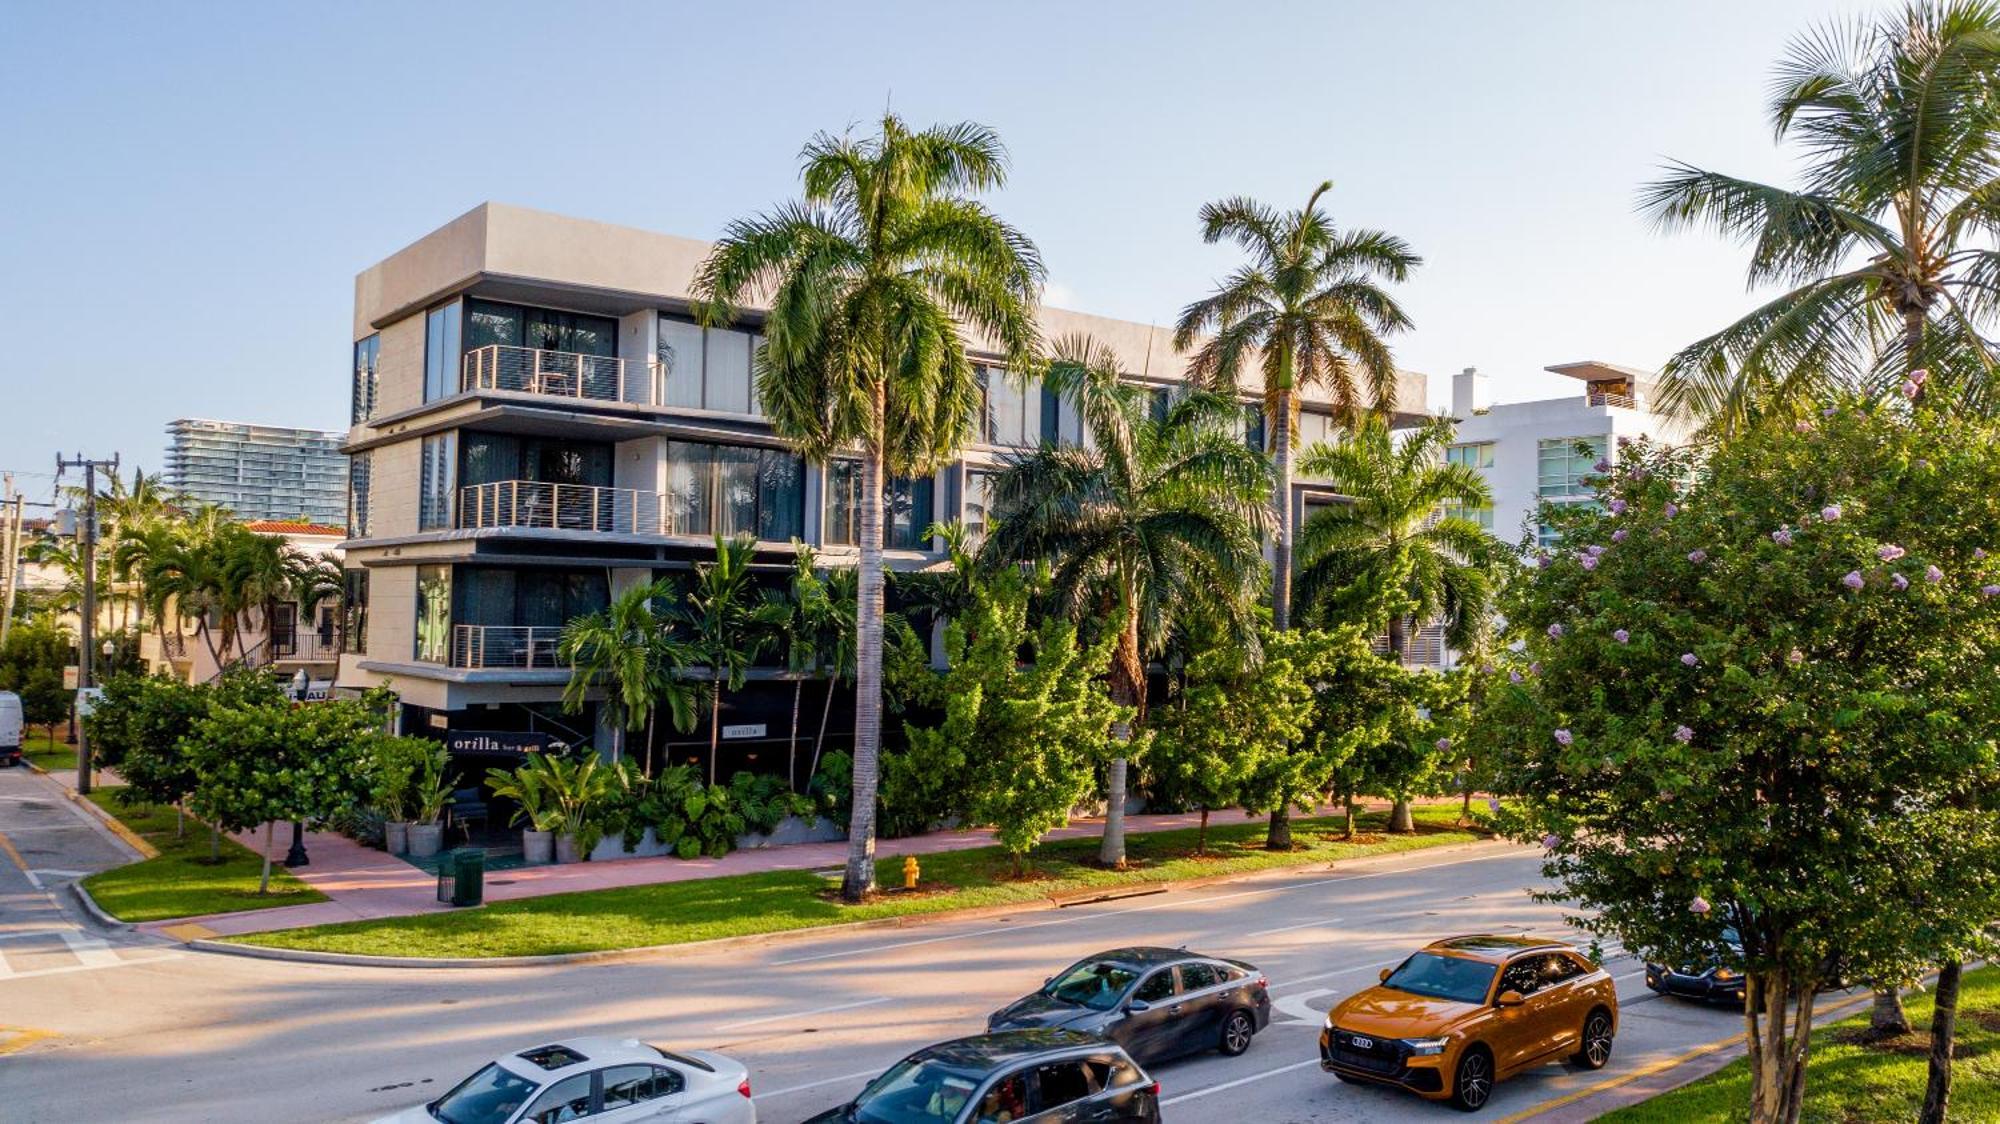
(130, 1031)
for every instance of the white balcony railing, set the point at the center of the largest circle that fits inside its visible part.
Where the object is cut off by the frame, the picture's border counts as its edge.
(563, 507)
(1610, 398)
(492, 645)
(557, 374)
(1422, 647)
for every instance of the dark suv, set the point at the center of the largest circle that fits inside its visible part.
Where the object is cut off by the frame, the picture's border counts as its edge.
(1158, 1003)
(1043, 1076)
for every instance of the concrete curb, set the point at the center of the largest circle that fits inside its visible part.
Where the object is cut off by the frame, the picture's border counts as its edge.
(973, 913)
(96, 911)
(103, 819)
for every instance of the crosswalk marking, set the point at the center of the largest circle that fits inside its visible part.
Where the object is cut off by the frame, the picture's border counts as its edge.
(90, 950)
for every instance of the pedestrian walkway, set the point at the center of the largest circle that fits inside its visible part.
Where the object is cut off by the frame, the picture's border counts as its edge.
(363, 884)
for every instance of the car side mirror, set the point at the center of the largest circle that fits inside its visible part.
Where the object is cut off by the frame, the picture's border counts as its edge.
(1138, 1006)
(1383, 975)
(1509, 999)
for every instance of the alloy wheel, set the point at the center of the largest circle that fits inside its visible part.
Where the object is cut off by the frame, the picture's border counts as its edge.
(1236, 1034)
(1475, 1080)
(1597, 1040)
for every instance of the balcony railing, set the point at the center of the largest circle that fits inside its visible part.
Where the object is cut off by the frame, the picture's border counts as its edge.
(557, 374)
(1422, 647)
(1609, 398)
(305, 646)
(563, 507)
(492, 645)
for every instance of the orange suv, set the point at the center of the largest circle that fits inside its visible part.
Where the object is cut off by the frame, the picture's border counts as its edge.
(1465, 1012)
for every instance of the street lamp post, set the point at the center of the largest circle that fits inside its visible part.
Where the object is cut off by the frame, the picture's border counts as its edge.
(296, 857)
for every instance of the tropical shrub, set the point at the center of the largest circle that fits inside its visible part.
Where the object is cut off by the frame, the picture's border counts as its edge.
(32, 665)
(832, 787)
(396, 764)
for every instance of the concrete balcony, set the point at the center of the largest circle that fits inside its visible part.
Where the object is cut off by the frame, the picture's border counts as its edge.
(556, 374)
(505, 646)
(563, 507)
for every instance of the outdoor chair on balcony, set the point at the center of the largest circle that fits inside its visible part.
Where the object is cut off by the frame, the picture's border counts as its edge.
(466, 808)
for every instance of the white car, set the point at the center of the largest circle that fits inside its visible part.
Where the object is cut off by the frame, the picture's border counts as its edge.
(606, 1080)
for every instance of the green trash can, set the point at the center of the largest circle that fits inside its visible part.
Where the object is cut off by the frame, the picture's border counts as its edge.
(462, 877)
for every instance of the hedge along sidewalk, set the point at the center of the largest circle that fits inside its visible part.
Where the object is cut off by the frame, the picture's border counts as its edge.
(181, 881)
(783, 900)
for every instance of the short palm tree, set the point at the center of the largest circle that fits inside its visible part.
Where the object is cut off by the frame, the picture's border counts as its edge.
(871, 281)
(1155, 520)
(1885, 245)
(630, 651)
(1309, 310)
(727, 624)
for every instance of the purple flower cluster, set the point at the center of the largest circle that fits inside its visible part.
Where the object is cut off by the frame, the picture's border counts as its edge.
(1782, 536)
(1602, 465)
(1690, 659)
(1556, 631)
(1621, 636)
(1618, 535)
(1617, 507)
(1889, 552)
(1589, 561)
(1854, 580)
(1563, 736)
(1670, 510)
(1989, 591)
(1830, 513)
(1933, 575)
(1697, 556)
(1443, 744)
(1683, 734)
(1900, 582)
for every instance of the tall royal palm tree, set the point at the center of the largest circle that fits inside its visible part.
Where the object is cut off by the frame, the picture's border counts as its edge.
(727, 624)
(1309, 310)
(1388, 555)
(1154, 520)
(1885, 246)
(630, 651)
(869, 281)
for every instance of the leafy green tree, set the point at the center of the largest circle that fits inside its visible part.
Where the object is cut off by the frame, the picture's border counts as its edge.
(630, 652)
(266, 763)
(728, 625)
(32, 665)
(876, 279)
(1884, 247)
(1364, 706)
(1756, 698)
(1280, 701)
(137, 728)
(1309, 309)
(1155, 522)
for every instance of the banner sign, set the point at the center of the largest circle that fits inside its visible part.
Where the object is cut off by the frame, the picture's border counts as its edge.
(489, 743)
(756, 731)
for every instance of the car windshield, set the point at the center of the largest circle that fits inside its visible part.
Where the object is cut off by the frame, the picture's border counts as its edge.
(1443, 977)
(1093, 984)
(916, 1092)
(487, 1097)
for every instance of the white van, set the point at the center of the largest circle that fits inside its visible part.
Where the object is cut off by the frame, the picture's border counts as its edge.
(10, 728)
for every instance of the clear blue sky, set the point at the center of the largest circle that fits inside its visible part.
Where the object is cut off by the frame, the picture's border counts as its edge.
(188, 190)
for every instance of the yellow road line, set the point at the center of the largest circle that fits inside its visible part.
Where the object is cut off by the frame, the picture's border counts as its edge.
(1660, 1066)
(17, 1038)
(7, 845)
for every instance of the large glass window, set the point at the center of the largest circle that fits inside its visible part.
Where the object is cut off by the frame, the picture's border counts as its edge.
(536, 598)
(978, 508)
(1562, 465)
(727, 489)
(707, 368)
(359, 474)
(441, 351)
(1012, 414)
(354, 611)
(488, 457)
(908, 508)
(1315, 429)
(545, 329)
(1478, 457)
(435, 485)
(366, 355)
(434, 614)
(1253, 428)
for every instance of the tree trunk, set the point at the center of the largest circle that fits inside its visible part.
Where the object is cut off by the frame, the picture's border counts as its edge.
(180, 820)
(264, 883)
(649, 742)
(714, 723)
(1201, 837)
(1347, 803)
(1777, 1015)
(1401, 820)
(1944, 1024)
(1396, 639)
(1128, 688)
(1465, 802)
(792, 746)
(1278, 837)
(819, 739)
(1888, 1019)
(214, 844)
(860, 875)
(1913, 344)
(1281, 506)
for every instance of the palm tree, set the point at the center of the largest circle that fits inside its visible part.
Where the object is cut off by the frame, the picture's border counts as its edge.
(1385, 556)
(727, 624)
(1308, 310)
(1883, 247)
(630, 651)
(871, 279)
(1156, 520)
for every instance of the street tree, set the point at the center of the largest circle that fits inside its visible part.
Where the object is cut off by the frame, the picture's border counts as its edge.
(728, 624)
(630, 652)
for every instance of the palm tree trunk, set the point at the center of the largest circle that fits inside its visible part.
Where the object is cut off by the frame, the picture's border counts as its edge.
(792, 747)
(1913, 342)
(714, 724)
(1944, 1024)
(860, 875)
(1281, 505)
(1128, 688)
(819, 739)
(1396, 639)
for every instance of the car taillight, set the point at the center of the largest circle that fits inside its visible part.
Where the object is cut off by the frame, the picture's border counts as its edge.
(1154, 1088)
(1264, 981)
(744, 1088)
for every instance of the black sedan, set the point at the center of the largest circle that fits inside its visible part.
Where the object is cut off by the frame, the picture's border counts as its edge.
(1718, 979)
(1052, 1076)
(1156, 1002)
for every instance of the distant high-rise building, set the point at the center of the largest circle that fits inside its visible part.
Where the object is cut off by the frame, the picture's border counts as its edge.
(259, 471)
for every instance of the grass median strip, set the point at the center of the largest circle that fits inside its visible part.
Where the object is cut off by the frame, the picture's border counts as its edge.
(46, 750)
(182, 882)
(738, 905)
(1848, 1079)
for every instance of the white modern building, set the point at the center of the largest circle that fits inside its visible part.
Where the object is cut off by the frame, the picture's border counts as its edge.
(259, 471)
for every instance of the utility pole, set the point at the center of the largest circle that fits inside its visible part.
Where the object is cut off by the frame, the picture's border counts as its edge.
(88, 536)
(12, 563)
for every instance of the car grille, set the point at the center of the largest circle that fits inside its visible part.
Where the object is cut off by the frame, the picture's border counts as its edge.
(1365, 1051)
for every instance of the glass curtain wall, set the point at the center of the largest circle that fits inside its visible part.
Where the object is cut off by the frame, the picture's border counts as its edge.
(434, 492)
(434, 614)
(708, 368)
(442, 349)
(728, 489)
(909, 507)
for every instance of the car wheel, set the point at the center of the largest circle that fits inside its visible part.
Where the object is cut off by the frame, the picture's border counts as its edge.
(1593, 1049)
(1472, 1081)
(1237, 1031)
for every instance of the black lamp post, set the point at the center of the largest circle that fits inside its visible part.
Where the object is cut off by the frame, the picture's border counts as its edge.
(297, 855)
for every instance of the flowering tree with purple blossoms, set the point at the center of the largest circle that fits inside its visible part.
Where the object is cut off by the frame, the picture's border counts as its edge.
(1728, 725)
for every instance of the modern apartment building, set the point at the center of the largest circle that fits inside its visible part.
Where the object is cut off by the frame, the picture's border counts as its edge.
(538, 424)
(259, 471)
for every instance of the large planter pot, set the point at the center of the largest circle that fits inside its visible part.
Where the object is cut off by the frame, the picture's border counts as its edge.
(538, 847)
(396, 836)
(425, 839)
(565, 848)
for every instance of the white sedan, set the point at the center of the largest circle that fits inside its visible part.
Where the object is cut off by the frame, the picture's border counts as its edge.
(608, 1080)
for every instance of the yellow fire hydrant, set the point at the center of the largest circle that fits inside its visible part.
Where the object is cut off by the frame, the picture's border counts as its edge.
(910, 872)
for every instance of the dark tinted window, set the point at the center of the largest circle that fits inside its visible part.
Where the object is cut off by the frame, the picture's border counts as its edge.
(1523, 975)
(1091, 984)
(1194, 977)
(568, 1099)
(1158, 986)
(1005, 1100)
(1059, 1083)
(1556, 967)
(626, 1085)
(1442, 977)
(487, 1097)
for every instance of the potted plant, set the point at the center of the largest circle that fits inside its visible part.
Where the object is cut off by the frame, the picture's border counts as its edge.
(527, 786)
(433, 792)
(574, 789)
(393, 765)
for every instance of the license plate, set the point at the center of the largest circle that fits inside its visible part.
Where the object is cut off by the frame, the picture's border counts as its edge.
(1361, 1043)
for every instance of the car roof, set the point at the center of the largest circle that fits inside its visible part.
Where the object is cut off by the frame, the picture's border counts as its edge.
(989, 1051)
(1493, 947)
(578, 1055)
(1147, 956)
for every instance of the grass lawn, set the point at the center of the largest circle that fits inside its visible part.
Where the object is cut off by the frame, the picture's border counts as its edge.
(675, 912)
(182, 882)
(50, 752)
(1847, 1081)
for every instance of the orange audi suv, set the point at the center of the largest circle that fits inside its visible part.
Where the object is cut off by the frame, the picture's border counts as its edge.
(1465, 1012)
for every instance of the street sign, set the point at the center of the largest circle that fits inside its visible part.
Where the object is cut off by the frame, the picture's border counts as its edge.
(71, 677)
(756, 731)
(86, 700)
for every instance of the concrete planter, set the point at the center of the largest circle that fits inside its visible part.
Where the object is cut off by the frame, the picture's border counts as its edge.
(565, 848)
(426, 839)
(538, 847)
(790, 830)
(395, 836)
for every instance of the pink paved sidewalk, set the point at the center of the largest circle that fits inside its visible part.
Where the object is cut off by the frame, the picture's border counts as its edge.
(362, 883)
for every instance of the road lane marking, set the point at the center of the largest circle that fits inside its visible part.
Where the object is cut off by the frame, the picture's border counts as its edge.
(802, 1014)
(1342, 971)
(23, 934)
(16, 1038)
(1290, 928)
(7, 845)
(90, 950)
(93, 967)
(790, 1089)
(1295, 1006)
(1227, 1085)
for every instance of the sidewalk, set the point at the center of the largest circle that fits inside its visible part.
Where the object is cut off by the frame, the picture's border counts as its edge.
(363, 884)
